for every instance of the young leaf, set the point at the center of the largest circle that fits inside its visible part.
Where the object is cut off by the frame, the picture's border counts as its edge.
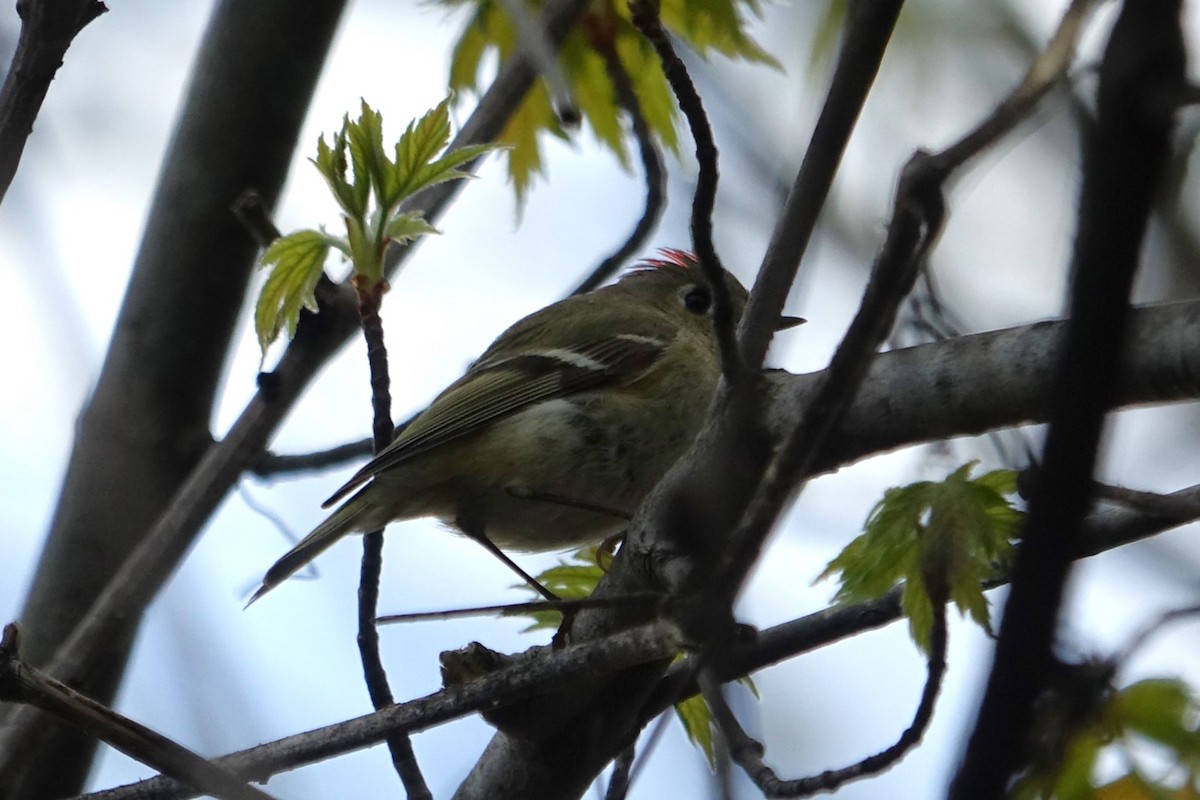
(704, 25)
(941, 539)
(296, 260)
(358, 149)
(699, 725)
(408, 226)
(572, 578)
(368, 160)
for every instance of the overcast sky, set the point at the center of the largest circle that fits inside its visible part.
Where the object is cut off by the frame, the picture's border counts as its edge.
(219, 679)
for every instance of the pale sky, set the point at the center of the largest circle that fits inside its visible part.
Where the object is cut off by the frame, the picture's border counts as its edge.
(218, 678)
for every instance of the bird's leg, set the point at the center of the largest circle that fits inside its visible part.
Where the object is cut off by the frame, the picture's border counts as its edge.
(477, 534)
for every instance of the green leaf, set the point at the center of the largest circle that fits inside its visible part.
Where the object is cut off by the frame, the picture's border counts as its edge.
(573, 578)
(699, 725)
(524, 156)
(296, 262)
(408, 226)
(718, 25)
(942, 540)
(1162, 710)
(331, 163)
(704, 25)
(368, 161)
(469, 49)
(415, 153)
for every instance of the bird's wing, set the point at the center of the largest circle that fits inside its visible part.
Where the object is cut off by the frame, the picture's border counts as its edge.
(496, 387)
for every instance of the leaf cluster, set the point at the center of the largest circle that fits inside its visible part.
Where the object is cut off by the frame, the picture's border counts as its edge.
(705, 25)
(941, 540)
(369, 181)
(1158, 714)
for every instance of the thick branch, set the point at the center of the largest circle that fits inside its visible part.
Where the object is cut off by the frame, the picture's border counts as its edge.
(1126, 151)
(146, 425)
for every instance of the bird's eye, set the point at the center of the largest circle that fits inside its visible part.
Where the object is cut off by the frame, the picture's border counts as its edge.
(697, 300)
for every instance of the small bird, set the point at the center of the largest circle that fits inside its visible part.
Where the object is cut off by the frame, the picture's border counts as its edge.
(558, 431)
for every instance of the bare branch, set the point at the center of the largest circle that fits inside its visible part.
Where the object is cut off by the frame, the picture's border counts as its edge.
(618, 784)
(748, 753)
(370, 297)
(1126, 150)
(528, 675)
(652, 169)
(47, 29)
(869, 29)
(278, 464)
(21, 683)
(645, 17)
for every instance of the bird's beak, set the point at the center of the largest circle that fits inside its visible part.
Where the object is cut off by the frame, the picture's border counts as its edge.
(789, 322)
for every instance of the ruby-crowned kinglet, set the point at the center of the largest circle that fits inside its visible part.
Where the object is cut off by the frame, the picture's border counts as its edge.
(560, 429)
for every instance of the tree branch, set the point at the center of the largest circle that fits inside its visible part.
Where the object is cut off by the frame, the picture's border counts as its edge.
(748, 752)
(1105, 530)
(1126, 150)
(525, 676)
(187, 504)
(21, 683)
(645, 17)
(869, 29)
(47, 29)
(370, 298)
(146, 426)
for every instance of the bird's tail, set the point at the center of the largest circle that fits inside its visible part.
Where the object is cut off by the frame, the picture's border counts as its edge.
(347, 519)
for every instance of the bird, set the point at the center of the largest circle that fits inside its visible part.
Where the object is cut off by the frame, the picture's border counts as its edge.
(554, 435)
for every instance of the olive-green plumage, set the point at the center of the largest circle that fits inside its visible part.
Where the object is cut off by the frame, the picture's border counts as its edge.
(577, 408)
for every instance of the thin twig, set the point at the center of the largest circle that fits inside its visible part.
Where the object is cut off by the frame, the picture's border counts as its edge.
(276, 464)
(527, 675)
(21, 683)
(868, 30)
(1047, 71)
(748, 752)
(645, 17)
(1139, 640)
(652, 169)
(516, 609)
(370, 296)
(618, 783)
